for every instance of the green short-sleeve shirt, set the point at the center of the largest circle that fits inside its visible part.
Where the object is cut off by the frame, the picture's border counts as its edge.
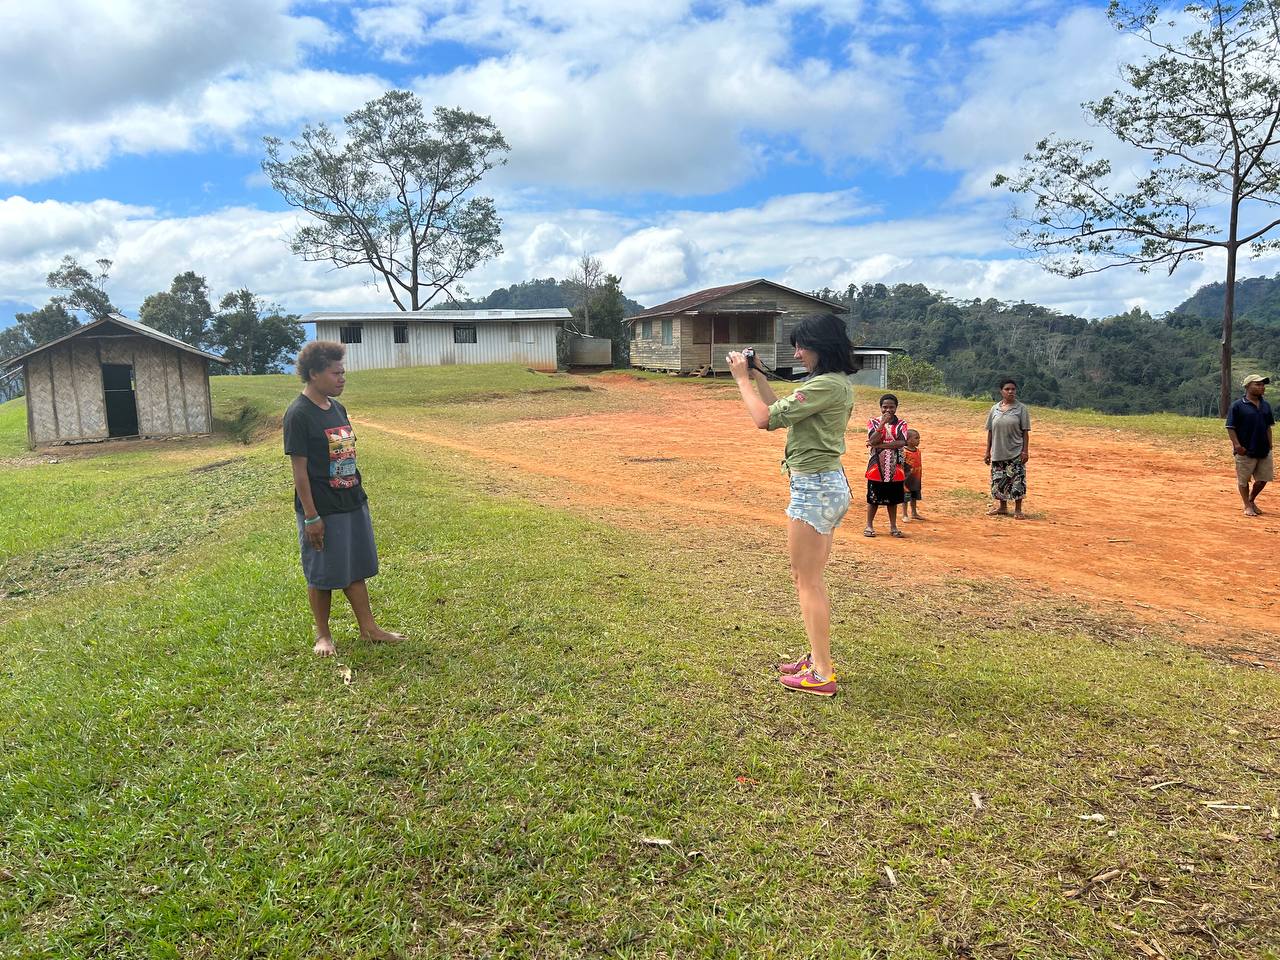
(816, 417)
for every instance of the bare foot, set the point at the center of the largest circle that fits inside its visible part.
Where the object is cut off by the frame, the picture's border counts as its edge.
(905, 520)
(324, 647)
(378, 635)
(1252, 511)
(1019, 515)
(1257, 509)
(998, 512)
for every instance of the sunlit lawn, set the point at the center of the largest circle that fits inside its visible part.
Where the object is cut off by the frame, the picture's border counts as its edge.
(582, 749)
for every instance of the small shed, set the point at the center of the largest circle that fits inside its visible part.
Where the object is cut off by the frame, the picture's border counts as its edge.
(693, 333)
(428, 338)
(116, 378)
(590, 351)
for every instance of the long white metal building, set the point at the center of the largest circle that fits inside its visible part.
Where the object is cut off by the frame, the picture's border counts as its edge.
(431, 338)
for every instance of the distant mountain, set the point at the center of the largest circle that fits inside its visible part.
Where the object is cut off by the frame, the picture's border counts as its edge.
(532, 295)
(1257, 300)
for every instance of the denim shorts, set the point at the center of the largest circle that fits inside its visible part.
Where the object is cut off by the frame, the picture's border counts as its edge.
(819, 499)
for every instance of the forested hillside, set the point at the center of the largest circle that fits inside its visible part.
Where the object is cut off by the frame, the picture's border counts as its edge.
(1130, 363)
(533, 295)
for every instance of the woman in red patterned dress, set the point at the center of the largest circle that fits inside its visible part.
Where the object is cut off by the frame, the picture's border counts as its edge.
(886, 436)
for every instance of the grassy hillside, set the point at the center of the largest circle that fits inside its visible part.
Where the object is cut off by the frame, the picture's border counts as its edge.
(581, 749)
(13, 428)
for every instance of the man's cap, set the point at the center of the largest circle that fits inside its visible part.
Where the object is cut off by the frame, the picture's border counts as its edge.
(1254, 378)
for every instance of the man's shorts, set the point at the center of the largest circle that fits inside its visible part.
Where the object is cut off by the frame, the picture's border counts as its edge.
(1260, 469)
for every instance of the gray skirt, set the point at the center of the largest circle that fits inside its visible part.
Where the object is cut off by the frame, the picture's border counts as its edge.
(349, 552)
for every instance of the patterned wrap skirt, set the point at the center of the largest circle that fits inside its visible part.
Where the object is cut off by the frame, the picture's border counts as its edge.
(349, 552)
(1008, 479)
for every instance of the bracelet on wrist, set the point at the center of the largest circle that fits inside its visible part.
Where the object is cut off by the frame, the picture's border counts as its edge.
(306, 522)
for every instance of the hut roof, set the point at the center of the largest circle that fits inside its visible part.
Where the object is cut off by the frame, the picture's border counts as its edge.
(131, 326)
(693, 300)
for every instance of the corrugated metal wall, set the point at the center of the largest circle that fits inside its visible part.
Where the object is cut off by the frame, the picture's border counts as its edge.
(874, 372)
(431, 343)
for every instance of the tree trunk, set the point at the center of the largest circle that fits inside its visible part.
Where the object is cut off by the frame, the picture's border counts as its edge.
(1228, 315)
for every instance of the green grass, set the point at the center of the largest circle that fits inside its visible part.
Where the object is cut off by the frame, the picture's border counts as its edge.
(1170, 426)
(180, 778)
(13, 428)
(261, 400)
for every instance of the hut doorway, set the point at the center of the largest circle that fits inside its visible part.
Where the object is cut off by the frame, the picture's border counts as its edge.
(118, 392)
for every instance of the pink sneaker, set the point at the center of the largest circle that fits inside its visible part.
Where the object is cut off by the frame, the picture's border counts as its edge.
(806, 681)
(795, 666)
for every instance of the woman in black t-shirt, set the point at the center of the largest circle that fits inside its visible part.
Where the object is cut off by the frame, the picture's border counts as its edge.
(335, 531)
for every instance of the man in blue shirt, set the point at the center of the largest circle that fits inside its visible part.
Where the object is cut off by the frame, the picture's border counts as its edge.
(1249, 423)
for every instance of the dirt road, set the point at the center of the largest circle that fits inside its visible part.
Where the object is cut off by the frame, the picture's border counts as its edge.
(1115, 521)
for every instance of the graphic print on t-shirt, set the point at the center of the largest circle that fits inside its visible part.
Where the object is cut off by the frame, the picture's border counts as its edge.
(342, 457)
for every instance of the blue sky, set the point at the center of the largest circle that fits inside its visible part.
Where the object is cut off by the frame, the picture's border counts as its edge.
(687, 144)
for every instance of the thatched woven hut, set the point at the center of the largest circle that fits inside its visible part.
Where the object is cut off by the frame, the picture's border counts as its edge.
(116, 378)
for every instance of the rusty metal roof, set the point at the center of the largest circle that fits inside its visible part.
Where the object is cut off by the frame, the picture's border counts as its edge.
(715, 293)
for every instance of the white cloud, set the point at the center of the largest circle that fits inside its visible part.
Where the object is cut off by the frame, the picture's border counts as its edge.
(73, 60)
(666, 100)
(984, 8)
(1023, 85)
(163, 75)
(47, 229)
(656, 258)
(221, 111)
(793, 240)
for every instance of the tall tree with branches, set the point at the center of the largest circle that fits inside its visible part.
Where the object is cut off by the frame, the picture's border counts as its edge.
(586, 278)
(1204, 108)
(393, 194)
(84, 290)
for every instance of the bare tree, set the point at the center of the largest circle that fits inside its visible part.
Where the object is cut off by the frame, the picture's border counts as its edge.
(1205, 109)
(587, 275)
(392, 197)
(1056, 349)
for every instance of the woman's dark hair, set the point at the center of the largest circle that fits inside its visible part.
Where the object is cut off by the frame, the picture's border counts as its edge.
(889, 396)
(1006, 381)
(318, 356)
(826, 336)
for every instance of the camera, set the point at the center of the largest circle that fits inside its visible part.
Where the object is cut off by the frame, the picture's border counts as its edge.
(750, 354)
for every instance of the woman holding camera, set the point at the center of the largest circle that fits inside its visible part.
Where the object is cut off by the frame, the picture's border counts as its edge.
(815, 417)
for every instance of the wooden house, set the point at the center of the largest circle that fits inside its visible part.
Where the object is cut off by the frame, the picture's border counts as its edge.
(428, 338)
(693, 334)
(115, 378)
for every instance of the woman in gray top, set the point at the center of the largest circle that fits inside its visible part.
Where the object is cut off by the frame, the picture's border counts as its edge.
(1008, 449)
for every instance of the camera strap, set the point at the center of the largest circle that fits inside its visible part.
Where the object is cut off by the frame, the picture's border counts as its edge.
(772, 374)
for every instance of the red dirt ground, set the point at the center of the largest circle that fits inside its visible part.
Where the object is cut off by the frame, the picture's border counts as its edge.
(1116, 521)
